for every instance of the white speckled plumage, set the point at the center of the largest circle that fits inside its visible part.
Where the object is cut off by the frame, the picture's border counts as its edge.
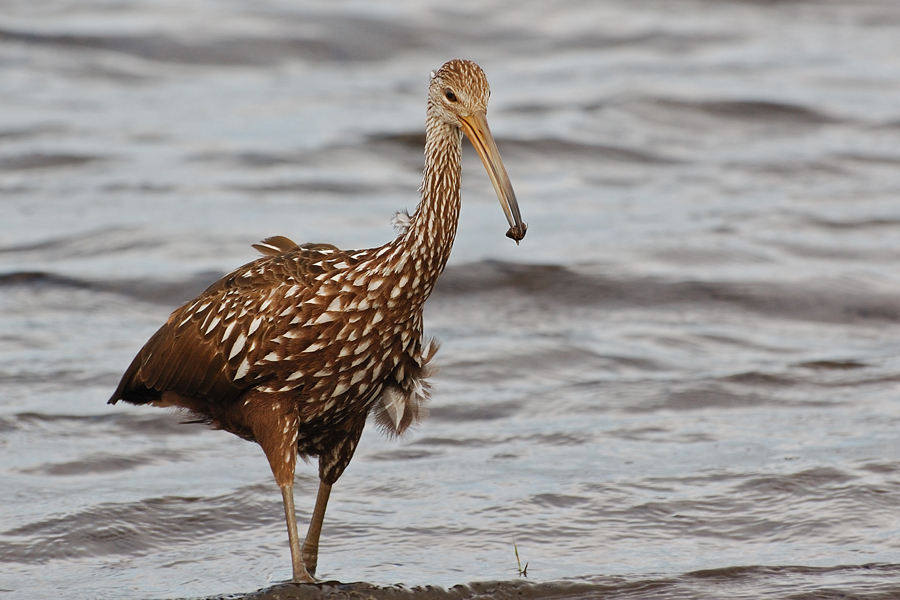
(295, 349)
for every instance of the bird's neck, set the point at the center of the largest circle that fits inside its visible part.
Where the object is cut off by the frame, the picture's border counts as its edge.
(429, 239)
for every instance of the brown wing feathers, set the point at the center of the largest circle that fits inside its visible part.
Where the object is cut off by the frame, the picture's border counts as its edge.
(275, 245)
(178, 358)
(210, 348)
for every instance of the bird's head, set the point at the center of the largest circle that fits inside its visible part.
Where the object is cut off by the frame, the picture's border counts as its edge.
(458, 96)
(458, 89)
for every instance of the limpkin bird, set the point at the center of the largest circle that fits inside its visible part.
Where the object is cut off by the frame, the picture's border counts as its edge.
(294, 350)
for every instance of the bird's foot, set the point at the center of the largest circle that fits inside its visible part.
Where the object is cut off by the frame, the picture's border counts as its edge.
(310, 558)
(302, 571)
(302, 575)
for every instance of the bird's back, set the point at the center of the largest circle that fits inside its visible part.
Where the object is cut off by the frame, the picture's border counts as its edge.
(301, 325)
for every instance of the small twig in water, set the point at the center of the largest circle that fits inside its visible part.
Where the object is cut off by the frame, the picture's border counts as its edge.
(523, 572)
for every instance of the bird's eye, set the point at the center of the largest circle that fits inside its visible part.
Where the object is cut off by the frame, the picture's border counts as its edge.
(449, 95)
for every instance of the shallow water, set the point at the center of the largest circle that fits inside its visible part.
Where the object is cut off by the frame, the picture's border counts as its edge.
(682, 384)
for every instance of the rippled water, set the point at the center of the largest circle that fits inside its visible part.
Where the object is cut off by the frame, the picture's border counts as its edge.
(683, 383)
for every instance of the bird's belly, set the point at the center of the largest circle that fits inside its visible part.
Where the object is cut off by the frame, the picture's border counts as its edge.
(337, 418)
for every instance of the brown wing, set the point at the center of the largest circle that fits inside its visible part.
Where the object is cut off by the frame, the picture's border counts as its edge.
(275, 245)
(278, 244)
(211, 348)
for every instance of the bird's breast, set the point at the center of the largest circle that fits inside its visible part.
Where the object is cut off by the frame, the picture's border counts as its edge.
(333, 350)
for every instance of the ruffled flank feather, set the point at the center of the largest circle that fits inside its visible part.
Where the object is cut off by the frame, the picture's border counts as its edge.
(403, 403)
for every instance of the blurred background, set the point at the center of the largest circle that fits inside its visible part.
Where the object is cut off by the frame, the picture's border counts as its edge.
(684, 379)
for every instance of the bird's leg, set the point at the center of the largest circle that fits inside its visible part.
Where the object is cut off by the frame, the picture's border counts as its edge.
(311, 545)
(301, 574)
(275, 429)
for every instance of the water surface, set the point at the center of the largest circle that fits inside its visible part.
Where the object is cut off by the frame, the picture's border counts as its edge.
(682, 384)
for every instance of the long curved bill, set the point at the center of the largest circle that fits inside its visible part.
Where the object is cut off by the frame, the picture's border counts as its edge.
(476, 129)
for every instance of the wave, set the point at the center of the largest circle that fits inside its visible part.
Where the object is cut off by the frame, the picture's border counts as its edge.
(550, 286)
(753, 110)
(169, 293)
(555, 285)
(137, 528)
(24, 162)
(331, 39)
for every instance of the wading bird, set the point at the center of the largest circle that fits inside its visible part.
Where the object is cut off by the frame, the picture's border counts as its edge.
(295, 349)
